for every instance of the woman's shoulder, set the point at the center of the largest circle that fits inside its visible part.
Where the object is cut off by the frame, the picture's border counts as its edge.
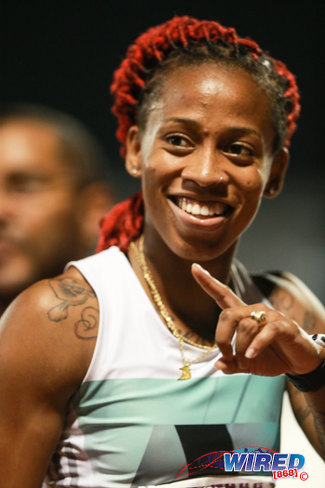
(290, 295)
(47, 329)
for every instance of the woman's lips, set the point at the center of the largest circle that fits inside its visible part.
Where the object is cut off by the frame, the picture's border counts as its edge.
(205, 215)
(201, 209)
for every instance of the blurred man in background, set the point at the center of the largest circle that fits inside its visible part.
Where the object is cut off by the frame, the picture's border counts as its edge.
(53, 192)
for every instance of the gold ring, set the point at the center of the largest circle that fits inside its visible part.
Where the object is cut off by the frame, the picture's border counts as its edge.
(258, 316)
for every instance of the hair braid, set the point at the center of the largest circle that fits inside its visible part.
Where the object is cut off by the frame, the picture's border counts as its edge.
(153, 47)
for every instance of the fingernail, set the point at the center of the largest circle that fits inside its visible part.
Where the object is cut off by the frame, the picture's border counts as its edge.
(202, 269)
(250, 353)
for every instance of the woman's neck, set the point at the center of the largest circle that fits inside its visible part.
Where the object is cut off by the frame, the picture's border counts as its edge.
(194, 312)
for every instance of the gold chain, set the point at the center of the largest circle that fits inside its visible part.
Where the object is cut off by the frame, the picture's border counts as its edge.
(169, 321)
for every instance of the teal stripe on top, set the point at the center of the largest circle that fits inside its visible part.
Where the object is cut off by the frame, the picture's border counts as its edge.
(118, 417)
(194, 401)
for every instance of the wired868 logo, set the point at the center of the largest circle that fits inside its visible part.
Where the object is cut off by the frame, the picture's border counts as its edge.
(249, 459)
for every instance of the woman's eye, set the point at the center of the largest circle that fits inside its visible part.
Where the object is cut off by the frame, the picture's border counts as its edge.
(177, 140)
(240, 150)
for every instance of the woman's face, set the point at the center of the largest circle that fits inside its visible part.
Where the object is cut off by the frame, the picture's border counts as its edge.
(205, 158)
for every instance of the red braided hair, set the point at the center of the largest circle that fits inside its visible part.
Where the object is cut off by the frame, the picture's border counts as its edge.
(122, 224)
(153, 46)
(148, 53)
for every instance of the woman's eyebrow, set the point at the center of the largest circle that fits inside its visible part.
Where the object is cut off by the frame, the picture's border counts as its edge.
(195, 124)
(245, 130)
(182, 120)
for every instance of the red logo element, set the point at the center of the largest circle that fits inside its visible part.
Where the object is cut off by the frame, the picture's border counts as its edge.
(215, 460)
(304, 476)
(286, 473)
(212, 459)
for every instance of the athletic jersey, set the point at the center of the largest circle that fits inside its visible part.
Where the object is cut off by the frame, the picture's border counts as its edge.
(132, 423)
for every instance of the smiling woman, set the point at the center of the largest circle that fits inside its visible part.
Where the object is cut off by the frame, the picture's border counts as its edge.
(152, 362)
(207, 141)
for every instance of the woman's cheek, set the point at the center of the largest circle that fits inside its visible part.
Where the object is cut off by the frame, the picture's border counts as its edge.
(253, 181)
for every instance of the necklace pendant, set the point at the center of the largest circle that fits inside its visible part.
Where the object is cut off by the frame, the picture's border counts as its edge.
(186, 373)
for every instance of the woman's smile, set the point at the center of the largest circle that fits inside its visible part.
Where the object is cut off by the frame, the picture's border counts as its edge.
(199, 215)
(201, 210)
(205, 158)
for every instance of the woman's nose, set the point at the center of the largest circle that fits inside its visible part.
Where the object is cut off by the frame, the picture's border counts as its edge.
(206, 168)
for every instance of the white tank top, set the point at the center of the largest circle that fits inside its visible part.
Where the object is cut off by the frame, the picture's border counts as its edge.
(132, 423)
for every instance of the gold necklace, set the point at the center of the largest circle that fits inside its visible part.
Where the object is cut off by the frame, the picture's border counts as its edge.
(169, 321)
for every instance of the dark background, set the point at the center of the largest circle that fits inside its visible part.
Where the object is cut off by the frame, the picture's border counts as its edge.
(63, 53)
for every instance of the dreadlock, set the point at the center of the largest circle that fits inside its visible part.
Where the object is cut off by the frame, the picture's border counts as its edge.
(185, 41)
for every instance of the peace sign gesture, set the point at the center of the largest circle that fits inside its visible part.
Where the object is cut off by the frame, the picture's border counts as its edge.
(266, 343)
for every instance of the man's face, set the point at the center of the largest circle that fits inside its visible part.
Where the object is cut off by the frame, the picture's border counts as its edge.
(39, 211)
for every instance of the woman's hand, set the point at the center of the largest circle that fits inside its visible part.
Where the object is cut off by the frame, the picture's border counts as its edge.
(274, 346)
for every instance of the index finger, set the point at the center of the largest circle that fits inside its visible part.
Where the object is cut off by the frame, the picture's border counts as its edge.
(221, 293)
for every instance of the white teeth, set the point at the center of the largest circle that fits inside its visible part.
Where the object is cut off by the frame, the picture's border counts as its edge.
(197, 208)
(204, 211)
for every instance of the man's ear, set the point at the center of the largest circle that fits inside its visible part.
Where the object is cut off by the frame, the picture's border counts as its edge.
(277, 173)
(133, 152)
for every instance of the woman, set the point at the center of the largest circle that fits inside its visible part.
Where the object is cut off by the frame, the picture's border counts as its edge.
(186, 365)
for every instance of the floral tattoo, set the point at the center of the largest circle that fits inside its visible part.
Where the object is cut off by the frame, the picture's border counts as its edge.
(84, 328)
(71, 294)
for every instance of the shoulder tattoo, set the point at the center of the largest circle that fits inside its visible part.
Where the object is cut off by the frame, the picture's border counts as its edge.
(72, 293)
(283, 301)
(309, 322)
(85, 327)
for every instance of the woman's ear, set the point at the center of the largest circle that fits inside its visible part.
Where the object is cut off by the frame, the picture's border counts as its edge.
(133, 152)
(277, 173)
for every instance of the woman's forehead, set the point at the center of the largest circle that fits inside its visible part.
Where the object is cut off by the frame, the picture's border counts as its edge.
(211, 88)
(209, 78)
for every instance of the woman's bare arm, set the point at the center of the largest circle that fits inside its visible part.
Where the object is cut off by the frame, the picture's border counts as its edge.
(292, 297)
(46, 344)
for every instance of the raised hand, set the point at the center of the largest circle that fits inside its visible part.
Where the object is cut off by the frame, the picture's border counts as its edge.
(268, 345)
